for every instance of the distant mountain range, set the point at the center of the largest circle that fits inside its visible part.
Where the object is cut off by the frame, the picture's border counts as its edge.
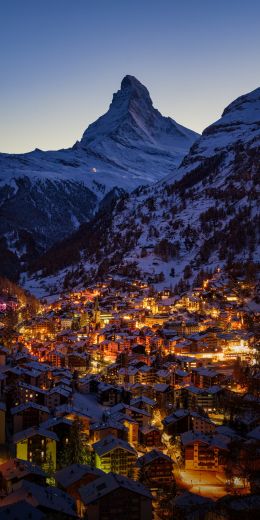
(45, 196)
(201, 216)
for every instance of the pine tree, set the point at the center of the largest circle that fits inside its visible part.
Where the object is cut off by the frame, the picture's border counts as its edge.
(50, 470)
(74, 452)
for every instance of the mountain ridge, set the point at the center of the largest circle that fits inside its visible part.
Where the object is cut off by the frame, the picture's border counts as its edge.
(204, 216)
(63, 189)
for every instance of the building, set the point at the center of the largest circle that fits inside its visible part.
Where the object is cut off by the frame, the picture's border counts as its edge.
(29, 414)
(156, 468)
(204, 452)
(14, 470)
(100, 430)
(36, 445)
(116, 497)
(177, 422)
(52, 501)
(73, 477)
(116, 455)
(150, 436)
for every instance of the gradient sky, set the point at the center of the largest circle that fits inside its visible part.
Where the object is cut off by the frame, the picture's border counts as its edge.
(61, 61)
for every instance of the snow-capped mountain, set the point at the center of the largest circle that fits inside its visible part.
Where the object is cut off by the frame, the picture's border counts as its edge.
(45, 196)
(134, 137)
(203, 216)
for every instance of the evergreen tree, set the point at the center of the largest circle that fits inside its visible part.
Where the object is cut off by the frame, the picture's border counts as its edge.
(74, 452)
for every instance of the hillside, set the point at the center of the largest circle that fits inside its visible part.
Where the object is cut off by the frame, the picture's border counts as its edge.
(172, 230)
(45, 196)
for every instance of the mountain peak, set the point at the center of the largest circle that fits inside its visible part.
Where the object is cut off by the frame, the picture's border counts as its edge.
(131, 83)
(248, 104)
(135, 134)
(131, 93)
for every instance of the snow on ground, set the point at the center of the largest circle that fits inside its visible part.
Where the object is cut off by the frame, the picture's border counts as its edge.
(205, 483)
(87, 403)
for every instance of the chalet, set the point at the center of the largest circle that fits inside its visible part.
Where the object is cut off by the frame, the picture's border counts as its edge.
(112, 454)
(21, 510)
(114, 496)
(51, 501)
(208, 398)
(156, 467)
(36, 445)
(27, 415)
(150, 436)
(177, 422)
(162, 393)
(61, 426)
(74, 477)
(56, 397)
(144, 403)
(109, 395)
(141, 416)
(31, 393)
(204, 452)
(15, 470)
(131, 425)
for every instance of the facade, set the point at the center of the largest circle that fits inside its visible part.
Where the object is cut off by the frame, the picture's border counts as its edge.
(204, 452)
(114, 497)
(156, 468)
(116, 455)
(36, 445)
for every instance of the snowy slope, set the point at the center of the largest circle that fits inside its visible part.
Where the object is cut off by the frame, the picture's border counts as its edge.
(49, 194)
(136, 137)
(171, 230)
(131, 144)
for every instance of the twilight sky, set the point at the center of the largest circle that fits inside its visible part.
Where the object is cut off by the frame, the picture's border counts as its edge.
(61, 61)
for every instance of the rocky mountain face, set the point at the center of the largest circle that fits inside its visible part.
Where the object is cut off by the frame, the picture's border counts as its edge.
(203, 216)
(136, 138)
(45, 196)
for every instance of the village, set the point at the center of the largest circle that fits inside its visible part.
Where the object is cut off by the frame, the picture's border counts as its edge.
(120, 397)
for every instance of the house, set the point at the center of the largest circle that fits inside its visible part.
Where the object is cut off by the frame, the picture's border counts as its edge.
(150, 436)
(144, 403)
(232, 507)
(204, 452)
(14, 470)
(109, 395)
(163, 395)
(189, 505)
(61, 426)
(116, 455)
(208, 398)
(156, 468)
(72, 478)
(36, 445)
(53, 502)
(177, 422)
(21, 510)
(114, 497)
(138, 414)
(57, 396)
(31, 393)
(27, 415)
(201, 424)
(99, 430)
(131, 425)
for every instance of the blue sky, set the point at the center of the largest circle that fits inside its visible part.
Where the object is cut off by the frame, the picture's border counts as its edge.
(61, 61)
